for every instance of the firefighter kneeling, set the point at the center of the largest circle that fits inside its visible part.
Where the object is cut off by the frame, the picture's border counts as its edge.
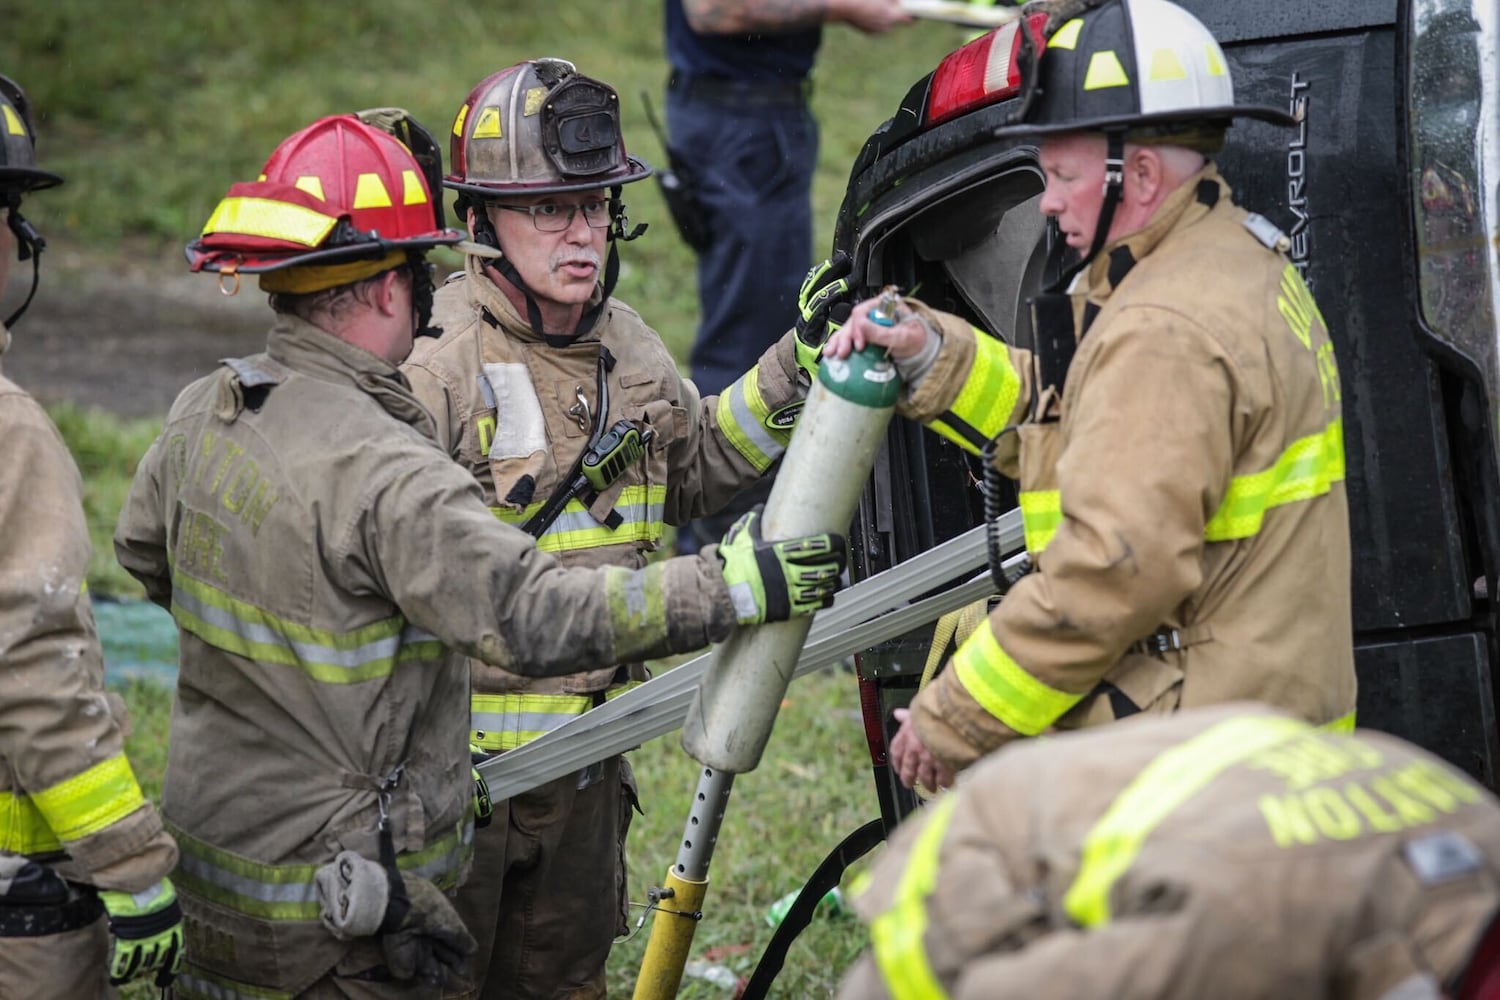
(1223, 852)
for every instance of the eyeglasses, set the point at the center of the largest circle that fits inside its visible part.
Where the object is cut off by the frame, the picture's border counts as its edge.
(550, 217)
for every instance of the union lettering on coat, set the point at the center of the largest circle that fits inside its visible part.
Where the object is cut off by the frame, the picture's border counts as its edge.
(221, 469)
(1402, 797)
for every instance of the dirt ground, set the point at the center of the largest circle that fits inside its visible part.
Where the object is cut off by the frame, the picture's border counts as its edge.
(124, 334)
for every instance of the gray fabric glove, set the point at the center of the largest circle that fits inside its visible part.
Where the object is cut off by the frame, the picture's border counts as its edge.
(421, 935)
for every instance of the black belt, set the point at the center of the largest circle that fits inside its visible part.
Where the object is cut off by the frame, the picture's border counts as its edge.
(81, 909)
(744, 93)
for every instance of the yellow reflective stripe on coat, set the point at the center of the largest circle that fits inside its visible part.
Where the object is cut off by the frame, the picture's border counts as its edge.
(986, 401)
(1005, 690)
(95, 798)
(196, 983)
(1161, 787)
(23, 828)
(896, 935)
(642, 509)
(1343, 724)
(742, 414)
(1306, 469)
(289, 892)
(1041, 514)
(243, 629)
(506, 721)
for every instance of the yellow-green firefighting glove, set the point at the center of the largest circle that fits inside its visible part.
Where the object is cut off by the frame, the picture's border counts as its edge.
(822, 306)
(145, 930)
(484, 807)
(772, 581)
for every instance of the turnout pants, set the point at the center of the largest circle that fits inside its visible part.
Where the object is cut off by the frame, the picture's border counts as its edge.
(547, 893)
(73, 965)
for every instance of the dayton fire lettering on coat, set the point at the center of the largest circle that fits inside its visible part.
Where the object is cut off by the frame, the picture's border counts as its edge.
(220, 468)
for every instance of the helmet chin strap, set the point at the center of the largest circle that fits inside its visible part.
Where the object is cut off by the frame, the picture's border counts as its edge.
(422, 292)
(29, 244)
(619, 231)
(1114, 186)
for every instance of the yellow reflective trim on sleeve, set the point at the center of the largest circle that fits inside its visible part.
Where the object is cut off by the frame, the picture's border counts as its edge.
(91, 800)
(1041, 514)
(989, 393)
(641, 507)
(273, 220)
(741, 412)
(370, 192)
(896, 935)
(501, 722)
(1003, 687)
(1306, 469)
(1175, 776)
(1066, 37)
(1105, 71)
(23, 828)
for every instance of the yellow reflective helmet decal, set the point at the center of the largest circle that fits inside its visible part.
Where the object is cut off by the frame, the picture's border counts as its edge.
(412, 192)
(1105, 71)
(310, 183)
(370, 192)
(488, 125)
(275, 220)
(1066, 37)
(1166, 66)
(1215, 59)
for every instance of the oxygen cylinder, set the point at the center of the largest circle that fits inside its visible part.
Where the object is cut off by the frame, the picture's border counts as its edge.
(822, 475)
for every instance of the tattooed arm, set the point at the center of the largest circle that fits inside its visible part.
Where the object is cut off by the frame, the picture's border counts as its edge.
(738, 17)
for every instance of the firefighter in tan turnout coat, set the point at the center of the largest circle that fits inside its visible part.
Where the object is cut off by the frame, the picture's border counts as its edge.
(1230, 852)
(330, 569)
(537, 366)
(84, 896)
(1182, 493)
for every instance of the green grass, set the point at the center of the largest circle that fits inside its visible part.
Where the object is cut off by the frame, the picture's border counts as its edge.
(151, 114)
(152, 110)
(107, 450)
(812, 789)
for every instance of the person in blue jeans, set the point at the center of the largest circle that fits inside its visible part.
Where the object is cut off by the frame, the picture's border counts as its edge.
(739, 126)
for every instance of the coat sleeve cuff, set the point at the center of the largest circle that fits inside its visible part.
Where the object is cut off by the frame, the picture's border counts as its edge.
(953, 726)
(129, 855)
(944, 380)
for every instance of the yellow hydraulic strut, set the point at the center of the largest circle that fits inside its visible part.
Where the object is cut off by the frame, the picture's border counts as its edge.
(679, 901)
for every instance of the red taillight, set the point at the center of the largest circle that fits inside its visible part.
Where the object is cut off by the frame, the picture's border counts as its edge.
(985, 71)
(869, 708)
